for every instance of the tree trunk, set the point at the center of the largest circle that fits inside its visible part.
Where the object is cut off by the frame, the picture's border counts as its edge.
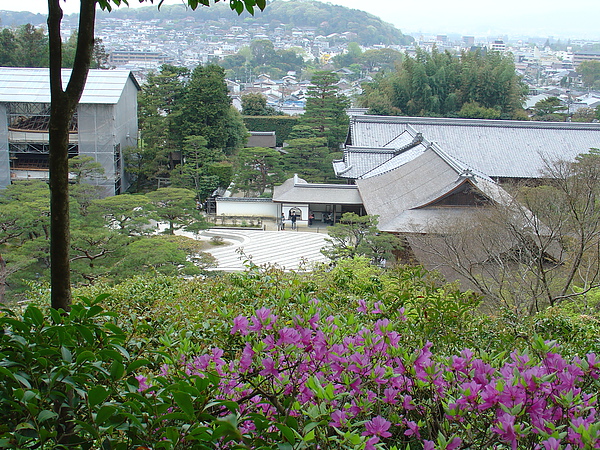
(63, 104)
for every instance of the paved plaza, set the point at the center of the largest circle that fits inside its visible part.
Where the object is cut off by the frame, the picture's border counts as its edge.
(289, 249)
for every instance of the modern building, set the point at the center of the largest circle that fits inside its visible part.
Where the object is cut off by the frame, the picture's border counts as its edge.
(104, 124)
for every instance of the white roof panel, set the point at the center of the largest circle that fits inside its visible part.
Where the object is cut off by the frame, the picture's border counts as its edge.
(32, 85)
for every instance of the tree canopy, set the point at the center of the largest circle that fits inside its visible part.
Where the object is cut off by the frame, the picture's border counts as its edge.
(441, 84)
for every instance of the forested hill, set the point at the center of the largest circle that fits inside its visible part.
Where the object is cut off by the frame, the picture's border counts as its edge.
(324, 17)
(17, 18)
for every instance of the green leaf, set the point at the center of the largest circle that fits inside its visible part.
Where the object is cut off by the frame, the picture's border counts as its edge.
(137, 364)
(33, 315)
(287, 432)
(86, 355)
(97, 395)
(46, 415)
(66, 354)
(117, 369)
(105, 413)
(184, 401)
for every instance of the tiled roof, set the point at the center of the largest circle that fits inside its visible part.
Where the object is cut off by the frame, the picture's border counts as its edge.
(401, 197)
(32, 85)
(498, 148)
(297, 190)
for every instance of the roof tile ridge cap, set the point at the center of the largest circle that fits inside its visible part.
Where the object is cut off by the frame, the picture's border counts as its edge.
(361, 149)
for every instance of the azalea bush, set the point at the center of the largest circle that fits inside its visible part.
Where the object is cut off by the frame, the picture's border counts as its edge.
(333, 383)
(350, 357)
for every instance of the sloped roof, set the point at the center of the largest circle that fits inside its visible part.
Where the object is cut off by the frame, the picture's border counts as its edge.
(404, 197)
(32, 85)
(297, 190)
(364, 162)
(498, 148)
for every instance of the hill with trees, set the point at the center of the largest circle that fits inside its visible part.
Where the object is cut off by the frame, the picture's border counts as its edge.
(325, 18)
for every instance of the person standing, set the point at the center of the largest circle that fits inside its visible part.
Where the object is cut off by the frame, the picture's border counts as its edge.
(282, 222)
(294, 227)
(311, 217)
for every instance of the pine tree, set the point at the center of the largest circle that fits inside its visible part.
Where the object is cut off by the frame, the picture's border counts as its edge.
(325, 110)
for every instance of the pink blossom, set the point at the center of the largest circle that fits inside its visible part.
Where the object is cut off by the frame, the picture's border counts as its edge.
(377, 308)
(240, 323)
(412, 429)
(551, 444)
(428, 445)
(339, 419)
(370, 444)
(288, 336)
(454, 443)
(269, 368)
(246, 358)
(142, 383)
(362, 306)
(377, 426)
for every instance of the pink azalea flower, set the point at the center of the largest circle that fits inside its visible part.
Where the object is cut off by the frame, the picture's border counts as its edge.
(412, 429)
(370, 445)
(377, 426)
(377, 308)
(362, 306)
(428, 445)
(339, 419)
(240, 323)
(551, 444)
(142, 383)
(269, 368)
(454, 443)
(246, 358)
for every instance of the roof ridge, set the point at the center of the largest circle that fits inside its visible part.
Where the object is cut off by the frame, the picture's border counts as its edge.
(406, 120)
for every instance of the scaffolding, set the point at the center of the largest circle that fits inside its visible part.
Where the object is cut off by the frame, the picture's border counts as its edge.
(32, 117)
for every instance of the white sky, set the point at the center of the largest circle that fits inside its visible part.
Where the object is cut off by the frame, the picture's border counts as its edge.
(543, 18)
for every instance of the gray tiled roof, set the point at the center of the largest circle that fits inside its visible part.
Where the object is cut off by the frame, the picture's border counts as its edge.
(32, 85)
(498, 148)
(401, 197)
(297, 190)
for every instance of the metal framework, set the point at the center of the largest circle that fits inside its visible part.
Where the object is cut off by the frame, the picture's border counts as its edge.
(32, 117)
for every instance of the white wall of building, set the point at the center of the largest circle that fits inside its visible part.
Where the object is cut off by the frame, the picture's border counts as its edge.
(245, 208)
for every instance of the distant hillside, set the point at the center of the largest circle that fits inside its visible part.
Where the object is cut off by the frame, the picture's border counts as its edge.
(324, 17)
(15, 19)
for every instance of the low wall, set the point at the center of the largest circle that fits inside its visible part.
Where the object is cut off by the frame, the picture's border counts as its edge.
(246, 207)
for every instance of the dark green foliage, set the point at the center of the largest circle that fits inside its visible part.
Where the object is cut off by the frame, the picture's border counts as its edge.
(259, 168)
(309, 158)
(205, 106)
(441, 84)
(549, 109)
(590, 73)
(325, 110)
(281, 125)
(255, 104)
(356, 235)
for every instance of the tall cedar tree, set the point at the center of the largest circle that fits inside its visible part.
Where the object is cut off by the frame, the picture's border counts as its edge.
(63, 103)
(206, 106)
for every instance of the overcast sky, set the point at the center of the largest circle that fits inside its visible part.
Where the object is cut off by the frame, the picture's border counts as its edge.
(515, 18)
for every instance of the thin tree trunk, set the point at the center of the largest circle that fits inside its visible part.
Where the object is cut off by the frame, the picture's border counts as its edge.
(63, 104)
